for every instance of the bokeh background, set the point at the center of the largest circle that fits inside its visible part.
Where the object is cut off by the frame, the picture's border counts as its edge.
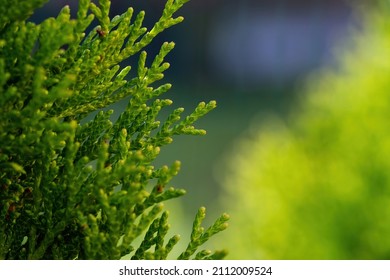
(252, 57)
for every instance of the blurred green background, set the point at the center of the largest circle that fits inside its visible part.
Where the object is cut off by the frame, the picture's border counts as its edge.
(252, 57)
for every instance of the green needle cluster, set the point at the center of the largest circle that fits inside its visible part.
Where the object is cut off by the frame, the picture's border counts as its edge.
(72, 188)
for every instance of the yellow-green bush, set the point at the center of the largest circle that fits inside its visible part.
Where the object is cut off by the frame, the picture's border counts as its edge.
(317, 186)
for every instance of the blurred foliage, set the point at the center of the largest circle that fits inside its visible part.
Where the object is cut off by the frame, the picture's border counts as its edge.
(317, 185)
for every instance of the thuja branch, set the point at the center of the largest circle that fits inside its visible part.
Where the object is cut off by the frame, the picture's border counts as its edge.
(73, 188)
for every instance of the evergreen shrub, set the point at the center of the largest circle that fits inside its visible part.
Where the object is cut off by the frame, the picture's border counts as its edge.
(316, 185)
(73, 188)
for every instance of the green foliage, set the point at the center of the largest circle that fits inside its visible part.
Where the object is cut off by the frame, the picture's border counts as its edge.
(199, 236)
(317, 185)
(72, 188)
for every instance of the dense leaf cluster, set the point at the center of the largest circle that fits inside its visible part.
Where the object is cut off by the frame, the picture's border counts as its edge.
(71, 188)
